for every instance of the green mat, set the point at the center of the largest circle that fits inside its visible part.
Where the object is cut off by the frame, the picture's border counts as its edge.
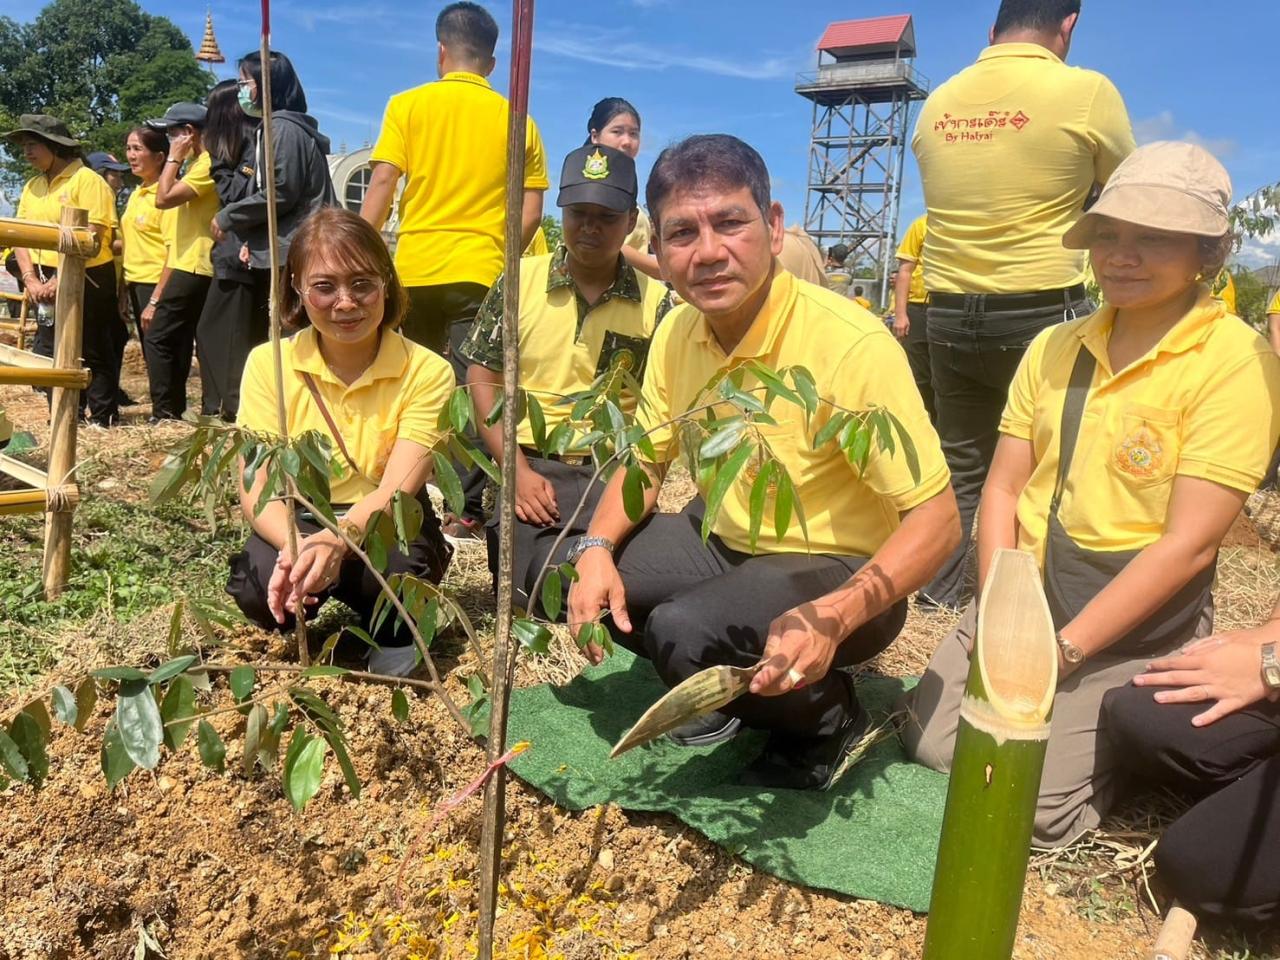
(874, 835)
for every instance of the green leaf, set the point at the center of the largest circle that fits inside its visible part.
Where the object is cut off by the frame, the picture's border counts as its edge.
(241, 682)
(884, 433)
(64, 705)
(311, 703)
(213, 752)
(537, 422)
(725, 477)
(807, 388)
(40, 714)
(31, 744)
(561, 438)
(303, 765)
(115, 759)
(495, 412)
(119, 673)
(532, 635)
(759, 494)
(829, 431)
(168, 481)
(723, 440)
(447, 480)
(460, 411)
(407, 513)
(167, 671)
(255, 724)
(290, 461)
(773, 382)
(569, 572)
(179, 705)
(138, 718)
(11, 758)
(634, 482)
(552, 594)
(908, 446)
(859, 448)
(783, 505)
(86, 700)
(175, 630)
(324, 670)
(339, 746)
(399, 705)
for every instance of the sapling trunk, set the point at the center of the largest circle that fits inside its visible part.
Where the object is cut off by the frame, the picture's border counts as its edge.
(995, 772)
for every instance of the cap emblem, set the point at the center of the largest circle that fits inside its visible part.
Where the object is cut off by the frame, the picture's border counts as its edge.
(597, 167)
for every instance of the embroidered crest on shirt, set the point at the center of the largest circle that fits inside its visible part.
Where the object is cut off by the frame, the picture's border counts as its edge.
(1140, 454)
(597, 167)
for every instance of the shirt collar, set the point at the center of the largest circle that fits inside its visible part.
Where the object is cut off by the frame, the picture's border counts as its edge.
(465, 76)
(625, 283)
(1187, 334)
(762, 335)
(1030, 50)
(389, 364)
(67, 172)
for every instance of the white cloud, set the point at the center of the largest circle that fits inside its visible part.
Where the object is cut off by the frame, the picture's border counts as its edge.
(1163, 126)
(613, 48)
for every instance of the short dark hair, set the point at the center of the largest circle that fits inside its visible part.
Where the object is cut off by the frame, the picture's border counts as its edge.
(708, 158)
(351, 241)
(604, 111)
(839, 253)
(468, 30)
(857, 291)
(1033, 14)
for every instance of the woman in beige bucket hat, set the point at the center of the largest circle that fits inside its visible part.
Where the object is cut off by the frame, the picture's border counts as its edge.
(1129, 443)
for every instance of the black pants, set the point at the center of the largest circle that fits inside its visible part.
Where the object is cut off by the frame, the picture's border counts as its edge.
(139, 295)
(428, 559)
(101, 349)
(440, 318)
(235, 319)
(974, 352)
(917, 347)
(1220, 857)
(694, 605)
(170, 340)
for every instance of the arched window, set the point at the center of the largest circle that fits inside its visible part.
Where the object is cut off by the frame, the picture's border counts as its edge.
(357, 187)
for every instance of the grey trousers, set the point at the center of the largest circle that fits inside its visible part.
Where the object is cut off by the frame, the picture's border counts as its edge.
(1082, 769)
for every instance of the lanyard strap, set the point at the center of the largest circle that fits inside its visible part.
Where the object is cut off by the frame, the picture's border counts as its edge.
(328, 419)
(1072, 414)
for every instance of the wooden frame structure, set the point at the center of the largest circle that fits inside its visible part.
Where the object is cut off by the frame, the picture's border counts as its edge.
(18, 325)
(56, 492)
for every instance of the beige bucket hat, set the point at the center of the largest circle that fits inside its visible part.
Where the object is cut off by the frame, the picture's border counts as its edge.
(1174, 186)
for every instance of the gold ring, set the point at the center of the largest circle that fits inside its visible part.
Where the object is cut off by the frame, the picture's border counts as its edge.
(795, 676)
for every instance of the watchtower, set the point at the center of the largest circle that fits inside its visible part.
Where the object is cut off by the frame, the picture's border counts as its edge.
(863, 93)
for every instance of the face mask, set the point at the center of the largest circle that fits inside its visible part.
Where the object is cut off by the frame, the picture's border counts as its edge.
(246, 103)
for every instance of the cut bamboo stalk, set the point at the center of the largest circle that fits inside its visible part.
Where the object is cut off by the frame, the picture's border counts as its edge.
(23, 472)
(13, 502)
(995, 772)
(45, 236)
(1174, 941)
(68, 337)
(68, 379)
(17, 357)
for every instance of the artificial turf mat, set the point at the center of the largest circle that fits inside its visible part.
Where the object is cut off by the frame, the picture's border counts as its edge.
(874, 835)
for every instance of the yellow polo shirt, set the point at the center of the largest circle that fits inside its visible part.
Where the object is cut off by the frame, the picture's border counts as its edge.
(186, 228)
(856, 363)
(76, 186)
(144, 249)
(538, 245)
(1009, 150)
(1224, 289)
(801, 257)
(638, 238)
(399, 397)
(1205, 402)
(1274, 307)
(912, 248)
(449, 139)
(566, 343)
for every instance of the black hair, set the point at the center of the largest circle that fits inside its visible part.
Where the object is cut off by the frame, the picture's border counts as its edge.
(227, 127)
(151, 138)
(857, 291)
(468, 30)
(839, 254)
(286, 88)
(708, 158)
(1033, 14)
(602, 114)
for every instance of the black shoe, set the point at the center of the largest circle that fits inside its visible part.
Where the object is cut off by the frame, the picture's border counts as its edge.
(790, 762)
(124, 400)
(714, 727)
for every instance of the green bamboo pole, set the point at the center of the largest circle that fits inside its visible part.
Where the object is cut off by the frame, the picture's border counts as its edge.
(995, 773)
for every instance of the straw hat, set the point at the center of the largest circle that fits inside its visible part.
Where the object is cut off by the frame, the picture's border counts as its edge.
(1173, 186)
(44, 126)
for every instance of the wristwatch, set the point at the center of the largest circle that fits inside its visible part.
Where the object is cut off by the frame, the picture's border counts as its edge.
(1270, 668)
(1070, 652)
(583, 544)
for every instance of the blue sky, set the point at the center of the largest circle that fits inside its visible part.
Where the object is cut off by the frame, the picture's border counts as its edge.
(695, 66)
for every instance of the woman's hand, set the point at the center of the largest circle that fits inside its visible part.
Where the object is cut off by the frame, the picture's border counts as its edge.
(317, 567)
(148, 314)
(180, 147)
(216, 231)
(244, 254)
(1225, 668)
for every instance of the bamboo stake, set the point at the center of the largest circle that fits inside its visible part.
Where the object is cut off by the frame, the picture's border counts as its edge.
(995, 774)
(18, 357)
(45, 236)
(68, 338)
(23, 472)
(13, 502)
(492, 824)
(277, 355)
(76, 380)
(1174, 941)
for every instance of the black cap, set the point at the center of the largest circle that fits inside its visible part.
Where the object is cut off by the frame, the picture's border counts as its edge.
(100, 160)
(600, 175)
(179, 115)
(45, 126)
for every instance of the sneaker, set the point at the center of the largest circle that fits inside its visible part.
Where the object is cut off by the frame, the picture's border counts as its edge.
(460, 530)
(714, 727)
(393, 661)
(790, 762)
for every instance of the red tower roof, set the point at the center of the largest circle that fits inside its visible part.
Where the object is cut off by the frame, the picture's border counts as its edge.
(851, 37)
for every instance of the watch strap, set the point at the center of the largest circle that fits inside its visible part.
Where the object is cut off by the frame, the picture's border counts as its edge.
(1270, 667)
(583, 544)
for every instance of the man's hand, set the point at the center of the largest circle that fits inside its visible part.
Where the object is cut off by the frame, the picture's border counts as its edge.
(319, 562)
(901, 324)
(598, 587)
(535, 497)
(244, 254)
(1225, 668)
(799, 650)
(180, 147)
(148, 314)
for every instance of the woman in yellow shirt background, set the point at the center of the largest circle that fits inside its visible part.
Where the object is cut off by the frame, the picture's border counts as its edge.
(146, 150)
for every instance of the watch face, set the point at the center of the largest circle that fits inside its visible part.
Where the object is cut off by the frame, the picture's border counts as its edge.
(1271, 676)
(1071, 653)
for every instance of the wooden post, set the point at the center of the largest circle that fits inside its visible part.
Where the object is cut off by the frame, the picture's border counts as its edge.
(68, 337)
(1174, 942)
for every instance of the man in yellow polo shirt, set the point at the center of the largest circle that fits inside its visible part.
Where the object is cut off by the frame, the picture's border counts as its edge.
(1009, 149)
(1224, 289)
(583, 311)
(839, 277)
(798, 605)
(910, 305)
(1273, 322)
(190, 202)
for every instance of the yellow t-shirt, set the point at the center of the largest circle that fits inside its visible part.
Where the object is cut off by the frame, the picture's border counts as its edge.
(912, 248)
(638, 239)
(1274, 307)
(1224, 289)
(565, 343)
(537, 246)
(144, 249)
(863, 302)
(1009, 149)
(801, 257)
(399, 397)
(1205, 402)
(186, 228)
(76, 186)
(856, 363)
(449, 139)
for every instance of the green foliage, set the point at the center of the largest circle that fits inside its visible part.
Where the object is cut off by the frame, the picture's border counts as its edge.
(478, 710)
(552, 230)
(1252, 299)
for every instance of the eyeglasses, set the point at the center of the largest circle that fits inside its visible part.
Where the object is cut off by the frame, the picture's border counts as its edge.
(323, 294)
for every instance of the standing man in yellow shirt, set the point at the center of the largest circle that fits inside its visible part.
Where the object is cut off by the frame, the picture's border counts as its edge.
(1010, 150)
(910, 311)
(838, 274)
(448, 139)
(799, 606)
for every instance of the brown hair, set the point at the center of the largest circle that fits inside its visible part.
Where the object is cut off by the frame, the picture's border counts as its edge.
(151, 138)
(1214, 252)
(349, 240)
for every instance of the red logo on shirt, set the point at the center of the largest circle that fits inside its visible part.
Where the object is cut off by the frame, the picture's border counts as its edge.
(1019, 120)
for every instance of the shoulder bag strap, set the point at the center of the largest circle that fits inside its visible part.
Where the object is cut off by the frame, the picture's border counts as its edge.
(328, 419)
(1072, 414)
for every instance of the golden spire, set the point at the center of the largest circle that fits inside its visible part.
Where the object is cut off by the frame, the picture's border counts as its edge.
(209, 52)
